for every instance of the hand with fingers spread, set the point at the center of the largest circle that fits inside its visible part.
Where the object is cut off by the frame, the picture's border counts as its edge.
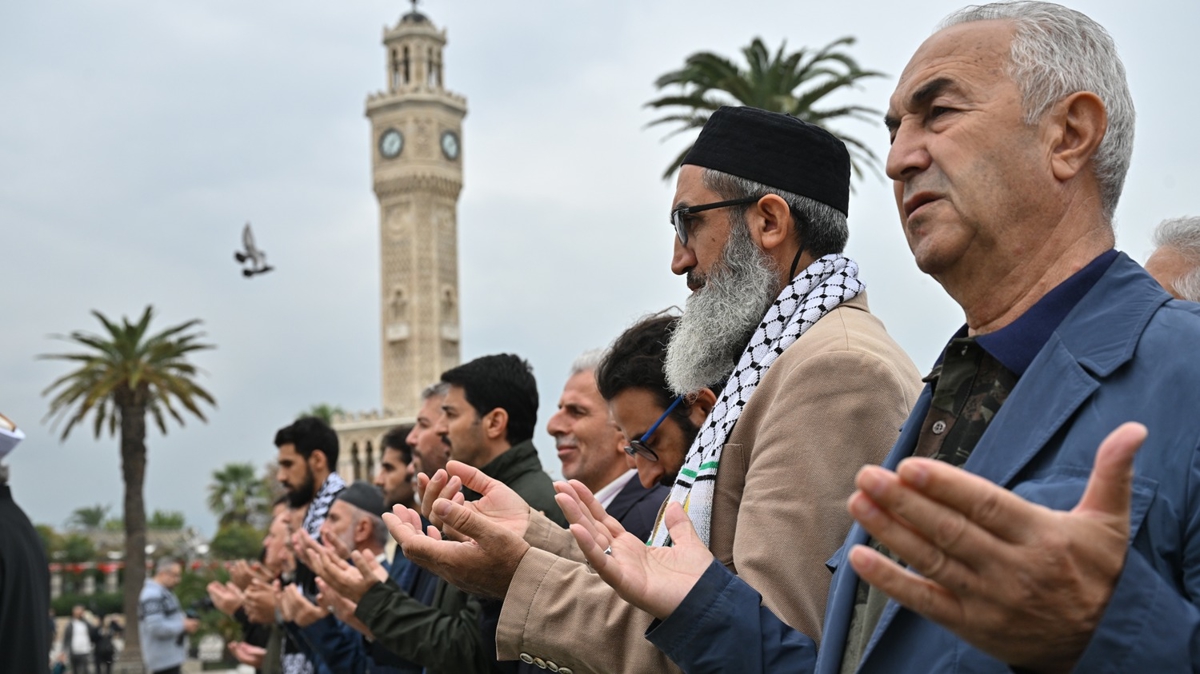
(248, 654)
(297, 609)
(261, 601)
(343, 609)
(481, 563)
(654, 579)
(497, 501)
(350, 581)
(240, 574)
(1021, 582)
(227, 597)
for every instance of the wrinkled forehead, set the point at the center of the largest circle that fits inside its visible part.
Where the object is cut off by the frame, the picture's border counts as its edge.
(968, 52)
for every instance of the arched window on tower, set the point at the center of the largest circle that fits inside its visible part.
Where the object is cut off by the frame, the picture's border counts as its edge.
(429, 74)
(407, 66)
(369, 468)
(394, 71)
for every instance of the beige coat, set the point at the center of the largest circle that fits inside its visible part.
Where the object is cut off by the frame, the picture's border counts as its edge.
(833, 401)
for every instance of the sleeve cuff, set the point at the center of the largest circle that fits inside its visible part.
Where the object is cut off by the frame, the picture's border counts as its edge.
(674, 635)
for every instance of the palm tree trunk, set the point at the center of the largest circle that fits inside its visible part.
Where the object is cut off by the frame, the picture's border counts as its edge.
(133, 469)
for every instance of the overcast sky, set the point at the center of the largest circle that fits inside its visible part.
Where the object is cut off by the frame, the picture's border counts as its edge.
(137, 137)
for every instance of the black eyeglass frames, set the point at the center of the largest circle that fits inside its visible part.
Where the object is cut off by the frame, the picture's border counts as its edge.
(639, 447)
(679, 215)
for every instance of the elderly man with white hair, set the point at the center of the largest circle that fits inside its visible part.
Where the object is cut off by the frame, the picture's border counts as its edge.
(1019, 522)
(592, 450)
(1175, 262)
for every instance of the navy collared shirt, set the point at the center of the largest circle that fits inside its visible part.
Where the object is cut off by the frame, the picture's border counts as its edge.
(1018, 343)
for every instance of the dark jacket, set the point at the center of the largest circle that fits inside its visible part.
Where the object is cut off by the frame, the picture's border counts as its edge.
(24, 592)
(636, 507)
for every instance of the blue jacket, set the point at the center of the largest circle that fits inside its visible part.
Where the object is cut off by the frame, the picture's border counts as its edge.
(1126, 352)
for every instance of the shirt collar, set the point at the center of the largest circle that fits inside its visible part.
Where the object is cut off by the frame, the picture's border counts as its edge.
(608, 492)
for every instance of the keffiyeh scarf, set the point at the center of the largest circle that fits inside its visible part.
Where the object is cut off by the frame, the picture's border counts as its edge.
(814, 292)
(319, 508)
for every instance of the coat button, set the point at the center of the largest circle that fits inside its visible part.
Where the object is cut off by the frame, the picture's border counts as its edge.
(541, 664)
(527, 658)
(939, 427)
(551, 666)
(565, 670)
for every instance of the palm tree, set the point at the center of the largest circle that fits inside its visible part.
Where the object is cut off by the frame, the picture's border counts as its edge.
(790, 83)
(121, 376)
(323, 411)
(236, 494)
(89, 517)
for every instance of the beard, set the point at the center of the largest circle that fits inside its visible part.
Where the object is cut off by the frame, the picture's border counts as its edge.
(302, 494)
(721, 315)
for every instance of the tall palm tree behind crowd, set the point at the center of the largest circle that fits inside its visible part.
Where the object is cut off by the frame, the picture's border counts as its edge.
(119, 378)
(792, 83)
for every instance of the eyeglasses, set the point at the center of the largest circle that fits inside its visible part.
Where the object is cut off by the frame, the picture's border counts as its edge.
(639, 447)
(679, 215)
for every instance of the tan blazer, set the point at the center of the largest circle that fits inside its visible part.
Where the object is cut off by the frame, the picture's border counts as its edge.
(833, 401)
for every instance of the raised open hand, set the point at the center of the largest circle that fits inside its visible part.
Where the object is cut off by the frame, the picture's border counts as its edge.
(1021, 582)
(343, 609)
(261, 601)
(497, 501)
(297, 609)
(346, 579)
(482, 562)
(248, 654)
(654, 579)
(227, 597)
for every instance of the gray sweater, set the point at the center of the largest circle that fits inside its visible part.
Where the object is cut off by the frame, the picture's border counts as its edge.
(160, 625)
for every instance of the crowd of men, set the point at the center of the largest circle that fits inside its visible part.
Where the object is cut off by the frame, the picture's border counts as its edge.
(766, 482)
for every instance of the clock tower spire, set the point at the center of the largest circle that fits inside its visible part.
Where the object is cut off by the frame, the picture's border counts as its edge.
(416, 166)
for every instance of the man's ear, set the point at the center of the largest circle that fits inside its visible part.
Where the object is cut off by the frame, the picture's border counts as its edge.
(770, 222)
(699, 405)
(495, 424)
(318, 461)
(362, 530)
(1077, 126)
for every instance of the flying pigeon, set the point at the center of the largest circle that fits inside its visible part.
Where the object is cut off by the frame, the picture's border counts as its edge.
(251, 254)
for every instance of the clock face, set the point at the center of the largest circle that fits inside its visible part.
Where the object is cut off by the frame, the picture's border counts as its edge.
(450, 145)
(391, 143)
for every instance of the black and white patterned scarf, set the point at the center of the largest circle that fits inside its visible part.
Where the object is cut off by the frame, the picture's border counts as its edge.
(319, 508)
(814, 292)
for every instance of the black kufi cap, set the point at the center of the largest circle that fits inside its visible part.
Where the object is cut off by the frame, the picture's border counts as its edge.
(776, 150)
(364, 496)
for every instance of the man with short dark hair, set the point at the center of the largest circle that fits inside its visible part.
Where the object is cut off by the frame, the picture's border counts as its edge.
(396, 468)
(592, 450)
(78, 640)
(658, 425)
(308, 454)
(162, 625)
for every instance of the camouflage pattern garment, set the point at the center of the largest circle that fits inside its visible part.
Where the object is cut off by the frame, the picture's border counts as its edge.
(969, 386)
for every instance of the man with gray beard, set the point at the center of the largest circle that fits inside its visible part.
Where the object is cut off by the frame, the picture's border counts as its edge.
(811, 388)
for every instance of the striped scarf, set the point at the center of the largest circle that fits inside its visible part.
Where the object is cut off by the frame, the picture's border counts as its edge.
(814, 292)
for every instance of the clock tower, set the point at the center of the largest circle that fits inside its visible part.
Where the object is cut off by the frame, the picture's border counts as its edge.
(416, 162)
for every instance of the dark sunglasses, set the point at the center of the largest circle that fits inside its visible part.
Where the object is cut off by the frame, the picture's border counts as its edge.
(679, 215)
(639, 447)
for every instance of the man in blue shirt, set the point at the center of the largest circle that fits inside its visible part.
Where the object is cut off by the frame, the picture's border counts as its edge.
(1059, 545)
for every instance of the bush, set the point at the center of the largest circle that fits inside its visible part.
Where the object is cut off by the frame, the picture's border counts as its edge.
(101, 603)
(236, 541)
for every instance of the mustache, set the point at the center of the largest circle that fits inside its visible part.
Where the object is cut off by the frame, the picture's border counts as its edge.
(565, 441)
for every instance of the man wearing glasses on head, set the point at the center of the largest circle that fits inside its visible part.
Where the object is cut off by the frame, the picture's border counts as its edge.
(809, 388)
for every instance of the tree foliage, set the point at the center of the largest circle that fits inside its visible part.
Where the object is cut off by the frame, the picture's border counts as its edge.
(89, 517)
(236, 541)
(794, 83)
(170, 520)
(120, 376)
(323, 411)
(236, 494)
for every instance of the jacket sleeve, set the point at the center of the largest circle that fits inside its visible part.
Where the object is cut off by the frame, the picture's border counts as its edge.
(558, 610)
(717, 625)
(544, 534)
(338, 645)
(440, 640)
